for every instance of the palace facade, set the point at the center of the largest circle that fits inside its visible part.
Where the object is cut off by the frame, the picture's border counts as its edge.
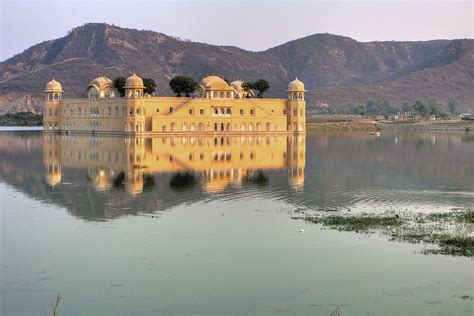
(215, 107)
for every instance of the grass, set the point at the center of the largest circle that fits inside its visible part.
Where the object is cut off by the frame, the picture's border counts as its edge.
(435, 229)
(363, 223)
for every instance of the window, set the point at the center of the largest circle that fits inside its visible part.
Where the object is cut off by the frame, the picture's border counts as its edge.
(110, 111)
(216, 111)
(131, 111)
(252, 112)
(241, 112)
(157, 110)
(190, 111)
(201, 111)
(171, 109)
(284, 112)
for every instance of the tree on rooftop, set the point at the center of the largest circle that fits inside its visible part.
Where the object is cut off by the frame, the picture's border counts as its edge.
(149, 86)
(261, 85)
(247, 88)
(183, 85)
(119, 84)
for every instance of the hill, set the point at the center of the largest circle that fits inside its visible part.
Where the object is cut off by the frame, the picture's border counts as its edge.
(337, 69)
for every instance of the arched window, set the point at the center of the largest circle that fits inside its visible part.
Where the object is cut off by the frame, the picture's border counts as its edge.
(259, 126)
(228, 127)
(93, 93)
(243, 127)
(250, 127)
(192, 127)
(184, 127)
(163, 128)
(201, 127)
(221, 95)
(228, 96)
(268, 127)
(215, 95)
(173, 127)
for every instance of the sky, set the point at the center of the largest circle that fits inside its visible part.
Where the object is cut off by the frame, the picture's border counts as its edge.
(250, 24)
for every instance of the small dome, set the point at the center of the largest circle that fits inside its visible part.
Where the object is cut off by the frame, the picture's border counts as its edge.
(100, 83)
(214, 83)
(296, 85)
(237, 85)
(134, 82)
(53, 86)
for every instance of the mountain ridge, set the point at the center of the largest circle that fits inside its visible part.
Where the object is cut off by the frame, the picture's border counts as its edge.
(335, 68)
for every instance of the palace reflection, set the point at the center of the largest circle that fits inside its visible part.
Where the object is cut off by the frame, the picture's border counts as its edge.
(215, 162)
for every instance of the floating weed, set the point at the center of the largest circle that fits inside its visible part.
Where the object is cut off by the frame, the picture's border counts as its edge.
(450, 232)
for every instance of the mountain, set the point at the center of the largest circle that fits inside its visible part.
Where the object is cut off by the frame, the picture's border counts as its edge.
(337, 69)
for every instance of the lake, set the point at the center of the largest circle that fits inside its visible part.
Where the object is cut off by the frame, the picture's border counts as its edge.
(203, 225)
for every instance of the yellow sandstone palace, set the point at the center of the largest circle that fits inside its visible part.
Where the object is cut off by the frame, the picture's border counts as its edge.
(216, 107)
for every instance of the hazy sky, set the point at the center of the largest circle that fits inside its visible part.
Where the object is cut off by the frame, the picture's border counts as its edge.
(254, 25)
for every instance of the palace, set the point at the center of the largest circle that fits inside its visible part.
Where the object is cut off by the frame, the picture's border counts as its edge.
(215, 107)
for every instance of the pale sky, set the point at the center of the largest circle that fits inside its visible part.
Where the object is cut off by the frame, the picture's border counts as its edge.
(250, 24)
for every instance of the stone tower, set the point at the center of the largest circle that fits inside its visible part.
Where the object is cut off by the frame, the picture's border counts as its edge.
(296, 106)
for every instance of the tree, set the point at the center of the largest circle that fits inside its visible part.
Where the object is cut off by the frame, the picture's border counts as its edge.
(406, 107)
(119, 84)
(183, 85)
(420, 109)
(149, 86)
(261, 85)
(452, 105)
(247, 88)
(435, 110)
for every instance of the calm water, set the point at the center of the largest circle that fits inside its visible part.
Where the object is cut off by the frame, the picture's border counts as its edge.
(182, 226)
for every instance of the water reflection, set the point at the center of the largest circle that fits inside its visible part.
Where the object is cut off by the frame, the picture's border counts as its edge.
(216, 162)
(166, 166)
(107, 177)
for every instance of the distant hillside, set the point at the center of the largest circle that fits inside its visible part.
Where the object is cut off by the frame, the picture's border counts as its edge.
(336, 69)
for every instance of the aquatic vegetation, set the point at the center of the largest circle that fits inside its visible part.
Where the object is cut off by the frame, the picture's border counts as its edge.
(449, 232)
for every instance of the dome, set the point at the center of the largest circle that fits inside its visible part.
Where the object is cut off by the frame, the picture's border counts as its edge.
(237, 85)
(134, 82)
(53, 86)
(100, 83)
(241, 93)
(296, 85)
(214, 83)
